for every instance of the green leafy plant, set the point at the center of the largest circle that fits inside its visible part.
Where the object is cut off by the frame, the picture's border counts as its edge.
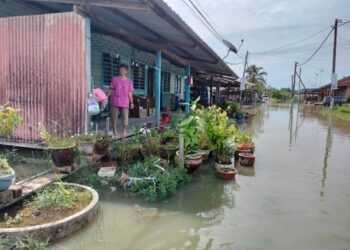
(153, 179)
(22, 242)
(5, 169)
(219, 133)
(125, 150)
(9, 119)
(191, 128)
(53, 140)
(234, 106)
(60, 197)
(347, 100)
(169, 134)
(85, 137)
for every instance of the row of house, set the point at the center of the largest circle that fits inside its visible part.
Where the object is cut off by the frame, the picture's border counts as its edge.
(317, 94)
(53, 52)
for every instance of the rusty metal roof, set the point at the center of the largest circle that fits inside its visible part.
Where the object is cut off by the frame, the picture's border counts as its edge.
(155, 27)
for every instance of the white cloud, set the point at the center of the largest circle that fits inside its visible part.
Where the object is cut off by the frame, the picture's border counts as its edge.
(267, 24)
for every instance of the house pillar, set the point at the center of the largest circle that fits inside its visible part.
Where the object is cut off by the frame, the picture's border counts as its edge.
(187, 88)
(158, 86)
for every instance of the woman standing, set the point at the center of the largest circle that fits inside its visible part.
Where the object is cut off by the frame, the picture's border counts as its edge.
(121, 100)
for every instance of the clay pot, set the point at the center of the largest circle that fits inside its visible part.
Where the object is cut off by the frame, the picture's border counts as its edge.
(238, 151)
(62, 157)
(192, 161)
(101, 147)
(247, 159)
(86, 147)
(227, 174)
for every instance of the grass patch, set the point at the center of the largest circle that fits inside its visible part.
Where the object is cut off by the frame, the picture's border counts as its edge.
(338, 112)
(21, 242)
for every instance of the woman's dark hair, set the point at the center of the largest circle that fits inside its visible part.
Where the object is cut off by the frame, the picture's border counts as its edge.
(123, 65)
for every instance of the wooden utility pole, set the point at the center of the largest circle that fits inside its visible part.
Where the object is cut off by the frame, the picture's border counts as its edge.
(243, 78)
(299, 84)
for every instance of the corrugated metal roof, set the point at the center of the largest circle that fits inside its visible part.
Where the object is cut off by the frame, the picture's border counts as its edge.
(160, 26)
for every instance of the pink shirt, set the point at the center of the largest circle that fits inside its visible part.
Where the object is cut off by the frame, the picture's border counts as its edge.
(120, 91)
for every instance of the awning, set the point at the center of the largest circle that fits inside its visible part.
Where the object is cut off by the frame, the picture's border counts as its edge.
(147, 25)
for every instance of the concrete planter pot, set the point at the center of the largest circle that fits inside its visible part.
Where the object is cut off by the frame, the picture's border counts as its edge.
(63, 157)
(6, 181)
(219, 165)
(246, 159)
(167, 151)
(86, 147)
(61, 228)
(238, 151)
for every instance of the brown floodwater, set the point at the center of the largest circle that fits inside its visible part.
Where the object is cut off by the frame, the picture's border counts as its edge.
(296, 197)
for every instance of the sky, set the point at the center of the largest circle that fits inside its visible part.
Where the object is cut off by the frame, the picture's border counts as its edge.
(269, 24)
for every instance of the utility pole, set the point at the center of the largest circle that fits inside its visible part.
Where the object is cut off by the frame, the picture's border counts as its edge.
(242, 87)
(334, 76)
(294, 77)
(299, 84)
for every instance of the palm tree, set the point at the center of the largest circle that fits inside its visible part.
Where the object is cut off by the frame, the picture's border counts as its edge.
(256, 75)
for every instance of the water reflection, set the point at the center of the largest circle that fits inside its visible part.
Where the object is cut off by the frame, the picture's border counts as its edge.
(329, 142)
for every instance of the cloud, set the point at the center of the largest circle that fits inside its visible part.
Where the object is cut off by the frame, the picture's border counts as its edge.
(267, 24)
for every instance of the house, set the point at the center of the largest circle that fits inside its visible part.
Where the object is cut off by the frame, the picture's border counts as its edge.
(53, 52)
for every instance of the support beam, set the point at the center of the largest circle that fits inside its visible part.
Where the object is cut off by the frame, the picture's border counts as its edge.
(187, 88)
(158, 86)
(102, 3)
(217, 96)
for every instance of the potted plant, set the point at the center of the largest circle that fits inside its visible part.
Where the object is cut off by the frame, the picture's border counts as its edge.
(191, 128)
(7, 175)
(205, 146)
(62, 148)
(226, 173)
(101, 143)
(126, 150)
(168, 151)
(9, 119)
(168, 135)
(85, 142)
(243, 143)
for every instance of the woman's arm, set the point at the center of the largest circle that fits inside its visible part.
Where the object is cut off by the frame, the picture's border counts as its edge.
(131, 100)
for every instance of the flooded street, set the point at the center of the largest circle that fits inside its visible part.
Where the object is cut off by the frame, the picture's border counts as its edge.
(296, 197)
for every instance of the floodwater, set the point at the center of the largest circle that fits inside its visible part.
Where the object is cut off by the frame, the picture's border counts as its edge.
(296, 197)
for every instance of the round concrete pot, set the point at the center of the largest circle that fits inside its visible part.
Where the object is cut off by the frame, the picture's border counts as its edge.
(61, 228)
(86, 147)
(205, 154)
(6, 181)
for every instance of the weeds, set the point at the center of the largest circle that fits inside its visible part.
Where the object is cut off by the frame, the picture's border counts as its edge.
(21, 242)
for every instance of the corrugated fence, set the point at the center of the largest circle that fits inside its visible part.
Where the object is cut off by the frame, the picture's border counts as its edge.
(43, 70)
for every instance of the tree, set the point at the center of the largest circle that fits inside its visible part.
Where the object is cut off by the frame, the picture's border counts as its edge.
(256, 75)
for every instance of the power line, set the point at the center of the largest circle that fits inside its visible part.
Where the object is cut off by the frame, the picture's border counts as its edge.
(317, 48)
(206, 20)
(230, 63)
(290, 44)
(200, 19)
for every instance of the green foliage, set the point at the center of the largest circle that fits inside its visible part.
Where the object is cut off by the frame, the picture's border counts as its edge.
(13, 157)
(223, 104)
(165, 182)
(126, 150)
(342, 109)
(9, 119)
(347, 100)
(4, 167)
(257, 75)
(191, 128)
(217, 130)
(53, 140)
(92, 180)
(85, 137)
(277, 95)
(242, 137)
(60, 197)
(234, 106)
(21, 242)
(169, 134)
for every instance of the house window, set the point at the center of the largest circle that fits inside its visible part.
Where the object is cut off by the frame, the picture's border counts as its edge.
(165, 81)
(178, 85)
(110, 65)
(139, 73)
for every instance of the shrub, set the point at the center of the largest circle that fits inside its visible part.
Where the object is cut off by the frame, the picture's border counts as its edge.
(9, 119)
(347, 100)
(22, 242)
(4, 167)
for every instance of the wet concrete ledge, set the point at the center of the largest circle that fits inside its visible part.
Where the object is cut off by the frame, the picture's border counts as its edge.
(61, 228)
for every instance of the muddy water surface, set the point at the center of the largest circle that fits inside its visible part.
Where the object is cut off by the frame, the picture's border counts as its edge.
(296, 197)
